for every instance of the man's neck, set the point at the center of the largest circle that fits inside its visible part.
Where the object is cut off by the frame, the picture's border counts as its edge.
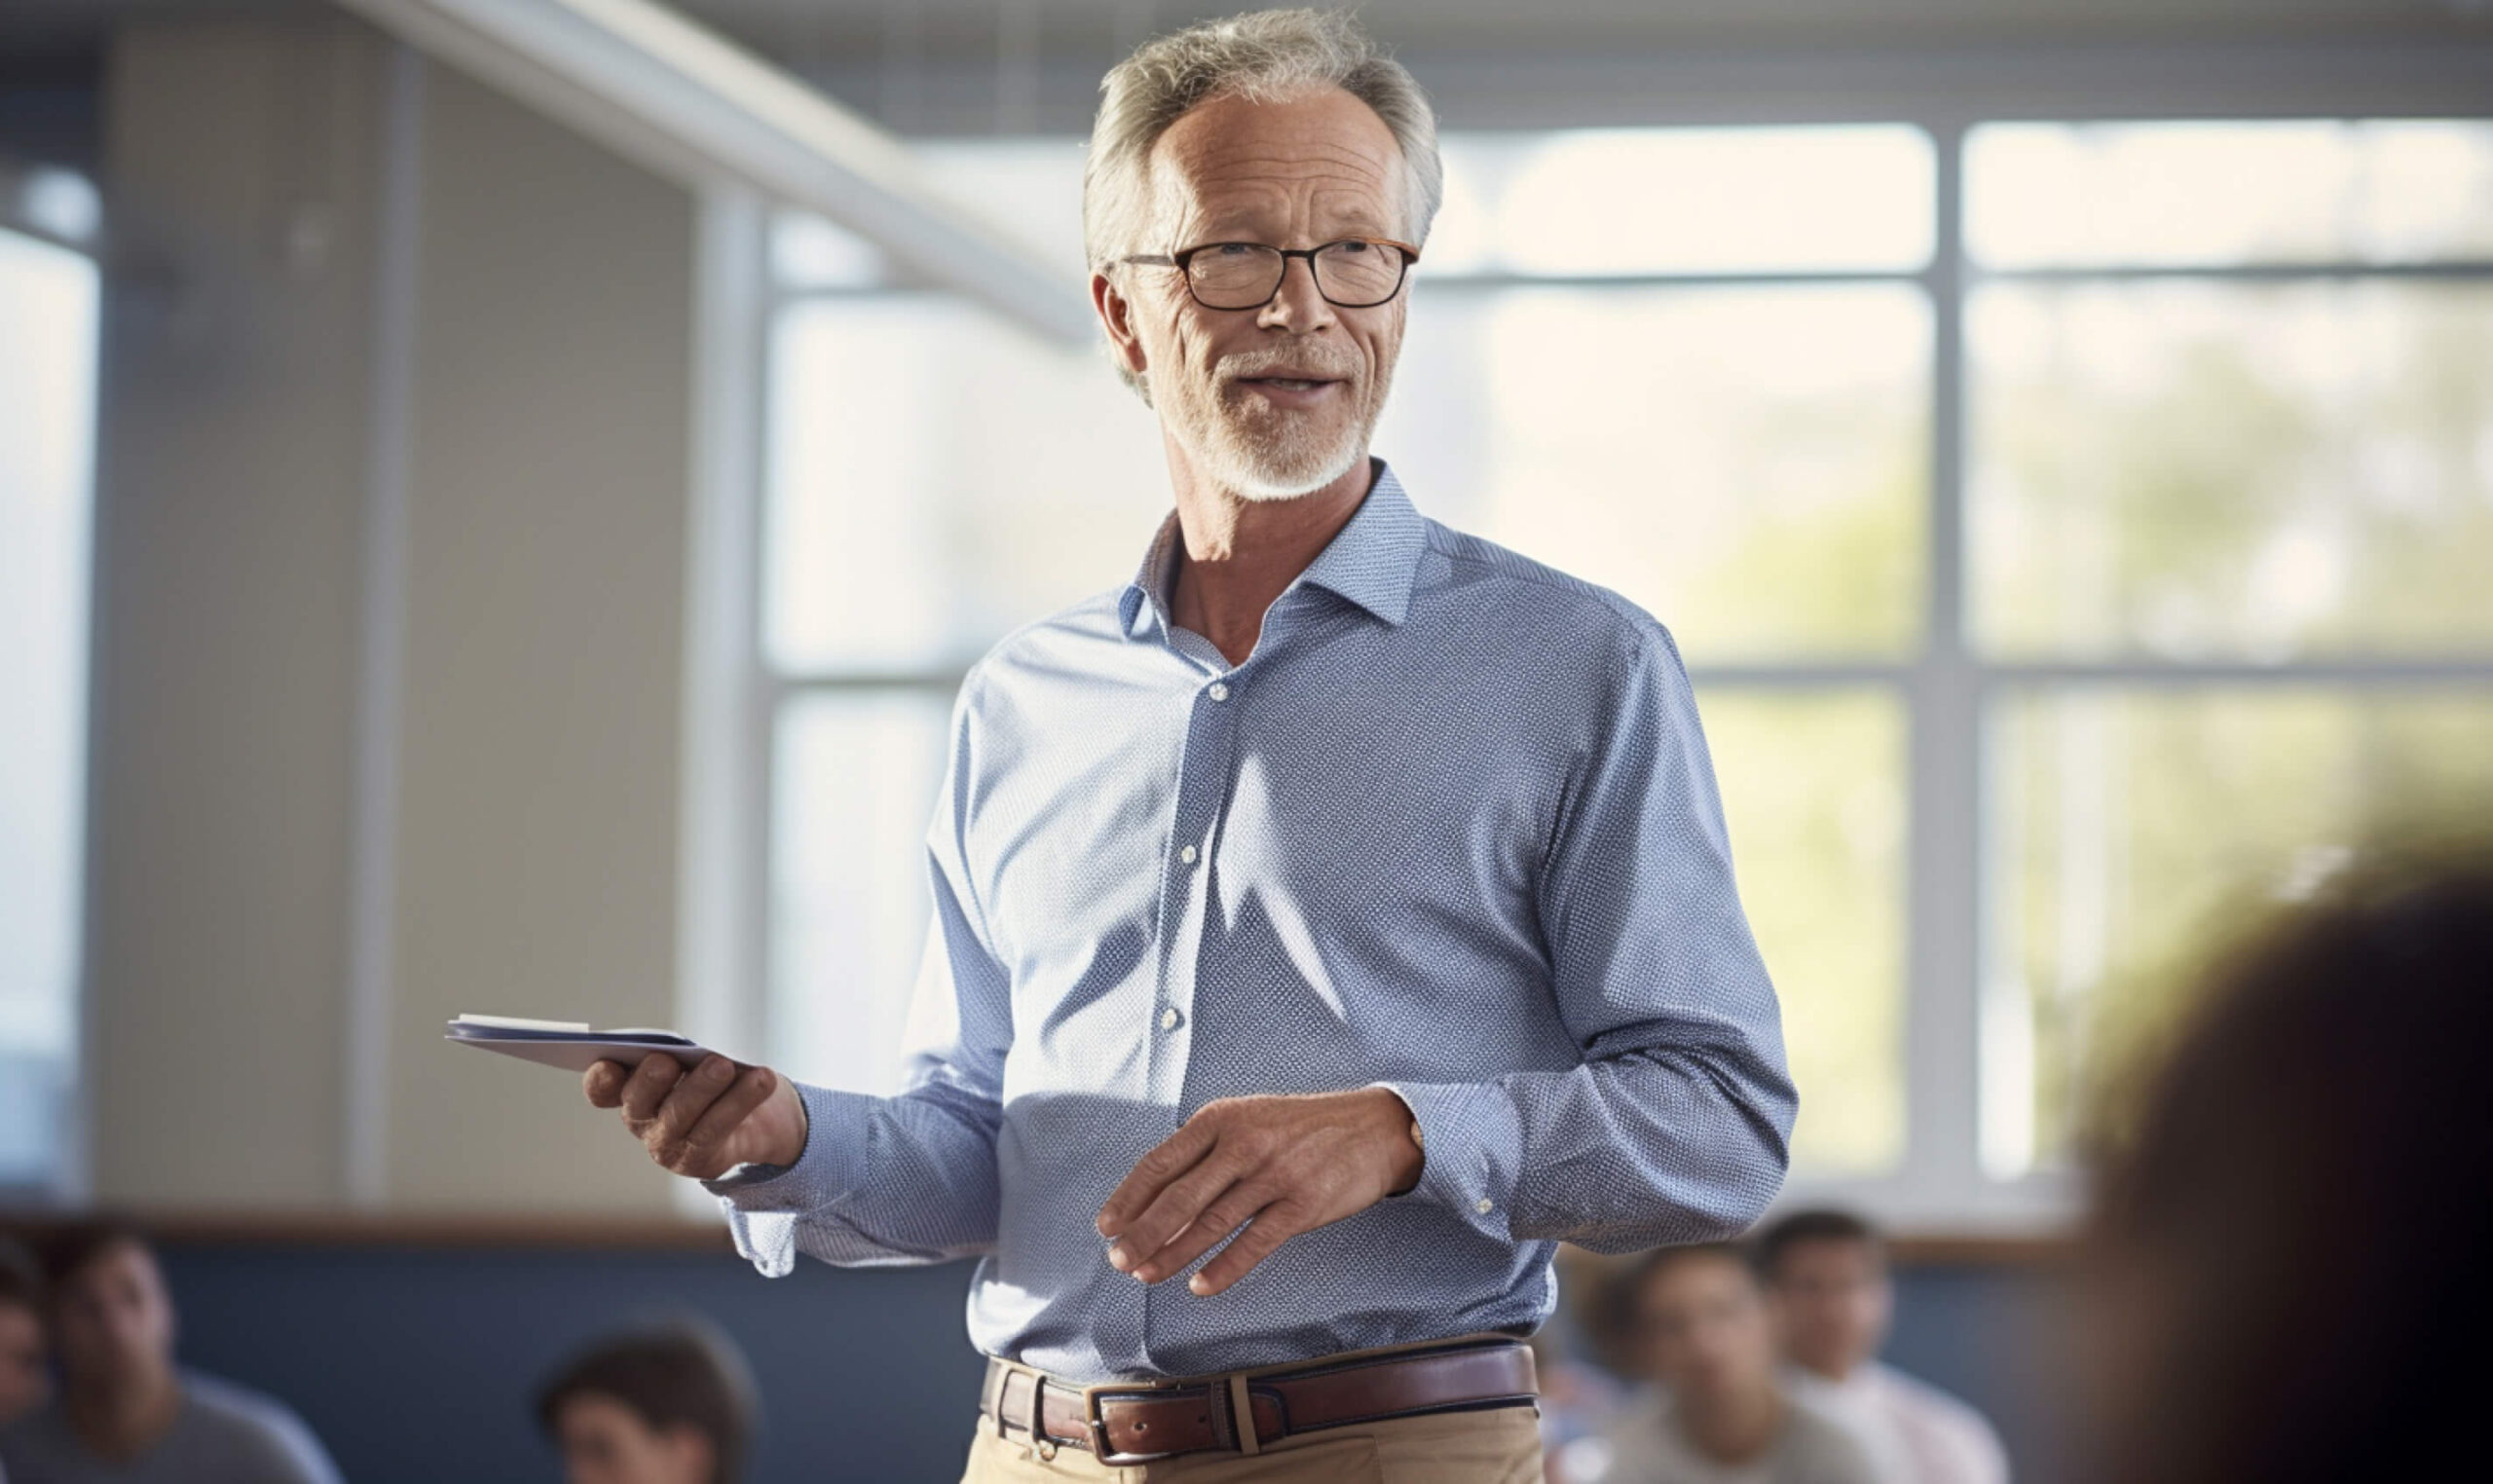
(127, 1421)
(1237, 554)
(1834, 1372)
(1734, 1428)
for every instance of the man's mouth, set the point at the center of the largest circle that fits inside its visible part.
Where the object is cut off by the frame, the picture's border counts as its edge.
(1299, 386)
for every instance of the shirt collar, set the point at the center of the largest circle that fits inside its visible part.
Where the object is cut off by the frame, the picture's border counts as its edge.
(1372, 561)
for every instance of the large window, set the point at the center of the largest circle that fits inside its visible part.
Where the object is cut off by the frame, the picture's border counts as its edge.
(48, 343)
(2072, 528)
(2230, 517)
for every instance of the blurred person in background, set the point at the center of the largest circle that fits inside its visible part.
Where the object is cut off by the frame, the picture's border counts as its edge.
(126, 1414)
(1579, 1401)
(2287, 1273)
(1722, 1416)
(25, 1380)
(1832, 1298)
(1589, 1362)
(673, 1405)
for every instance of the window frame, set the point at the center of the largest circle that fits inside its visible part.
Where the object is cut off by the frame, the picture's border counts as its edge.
(70, 1180)
(1948, 688)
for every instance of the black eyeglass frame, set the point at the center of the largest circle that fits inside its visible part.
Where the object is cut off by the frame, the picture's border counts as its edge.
(1181, 259)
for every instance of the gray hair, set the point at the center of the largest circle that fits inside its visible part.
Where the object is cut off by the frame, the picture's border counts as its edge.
(1266, 55)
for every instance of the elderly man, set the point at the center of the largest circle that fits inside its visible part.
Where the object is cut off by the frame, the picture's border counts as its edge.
(1326, 923)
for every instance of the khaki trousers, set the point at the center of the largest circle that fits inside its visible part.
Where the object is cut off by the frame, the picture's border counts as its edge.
(1501, 1446)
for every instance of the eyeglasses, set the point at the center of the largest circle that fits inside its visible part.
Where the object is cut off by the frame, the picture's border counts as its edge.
(1354, 272)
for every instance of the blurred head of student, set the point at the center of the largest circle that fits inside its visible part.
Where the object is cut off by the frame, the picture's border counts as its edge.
(662, 1406)
(25, 1381)
(1703, 1324)
(1825, 1278)
(2288, 1273)
(112, 1318)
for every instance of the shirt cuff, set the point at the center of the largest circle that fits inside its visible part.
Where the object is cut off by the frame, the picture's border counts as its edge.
(1471, 1145)
(765, 1203)
(824, 1171)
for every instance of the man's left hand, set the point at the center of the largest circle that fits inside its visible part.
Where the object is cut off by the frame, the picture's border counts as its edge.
(1288, 1164)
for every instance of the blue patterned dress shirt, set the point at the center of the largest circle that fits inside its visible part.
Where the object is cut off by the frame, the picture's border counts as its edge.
(1451, 829)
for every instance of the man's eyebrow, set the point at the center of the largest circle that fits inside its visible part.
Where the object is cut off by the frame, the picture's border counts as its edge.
(1226, 232)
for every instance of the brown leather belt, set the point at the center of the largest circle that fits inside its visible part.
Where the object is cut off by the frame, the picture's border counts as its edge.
(1141, 1421)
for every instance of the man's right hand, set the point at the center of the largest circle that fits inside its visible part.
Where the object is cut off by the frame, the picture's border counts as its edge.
(705, 1122)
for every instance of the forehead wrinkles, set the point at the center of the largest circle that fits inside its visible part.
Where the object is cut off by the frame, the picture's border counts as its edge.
(1288, 161)
(1202, 174)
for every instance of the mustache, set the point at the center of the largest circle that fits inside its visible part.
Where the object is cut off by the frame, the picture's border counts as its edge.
(1304, 361)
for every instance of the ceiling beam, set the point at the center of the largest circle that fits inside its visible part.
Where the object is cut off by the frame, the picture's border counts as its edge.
(680, 99)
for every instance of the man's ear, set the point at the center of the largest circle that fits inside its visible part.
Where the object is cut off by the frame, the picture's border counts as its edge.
(1116, 312)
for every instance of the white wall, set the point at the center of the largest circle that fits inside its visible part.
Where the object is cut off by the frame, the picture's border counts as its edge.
(544, 621)
(232, 431)
(535, 427)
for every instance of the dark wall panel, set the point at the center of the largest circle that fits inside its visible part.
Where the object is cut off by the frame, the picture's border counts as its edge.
(416, 1364)
(51, 106)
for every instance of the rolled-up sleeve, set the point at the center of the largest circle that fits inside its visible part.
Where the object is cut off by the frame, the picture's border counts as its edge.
(1676, 1126)
(910, 1178)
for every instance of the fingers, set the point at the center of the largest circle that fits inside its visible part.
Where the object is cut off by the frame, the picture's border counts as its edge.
(691, 1096)
(707, 1140)
(604, 1082)
(1239, 1204)
(1255, 1172)
(687, 1119)
(647, 1087)
(663, 1104)
(1175, 1155)
(1180, 1205)
(1274, 1225)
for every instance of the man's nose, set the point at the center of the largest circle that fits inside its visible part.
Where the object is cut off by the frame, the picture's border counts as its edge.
(1297, 305)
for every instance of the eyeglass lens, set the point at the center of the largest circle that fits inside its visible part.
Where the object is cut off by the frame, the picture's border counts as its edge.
(1354, 274)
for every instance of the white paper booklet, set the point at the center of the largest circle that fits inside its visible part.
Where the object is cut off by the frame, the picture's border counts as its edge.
(571, 1044)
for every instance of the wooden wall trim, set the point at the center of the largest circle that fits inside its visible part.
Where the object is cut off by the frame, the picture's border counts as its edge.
(1942, 1249)
(451, 1230)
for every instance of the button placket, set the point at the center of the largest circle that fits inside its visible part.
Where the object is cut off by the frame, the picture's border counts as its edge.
(1211, 732)
(1202, 784)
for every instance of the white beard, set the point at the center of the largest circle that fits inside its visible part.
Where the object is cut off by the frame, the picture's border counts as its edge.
(1290, 465)
(1271, 474)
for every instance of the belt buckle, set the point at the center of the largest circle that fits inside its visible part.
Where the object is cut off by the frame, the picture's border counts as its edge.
(1097, 1426)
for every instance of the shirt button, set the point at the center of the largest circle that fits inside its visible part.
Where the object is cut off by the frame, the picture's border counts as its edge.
(1169, 1018)
(1187, 855)
(1218, 691)
(1485, 1206)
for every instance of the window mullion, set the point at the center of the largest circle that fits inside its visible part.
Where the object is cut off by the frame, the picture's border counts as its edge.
(1942, 883)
